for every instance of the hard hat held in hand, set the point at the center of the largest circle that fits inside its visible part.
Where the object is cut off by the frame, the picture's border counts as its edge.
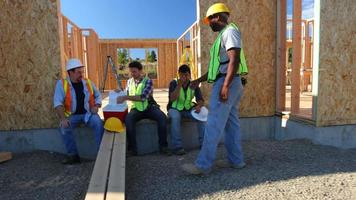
(202, 115)
(114, 124)
(214, 9)
(73, 63)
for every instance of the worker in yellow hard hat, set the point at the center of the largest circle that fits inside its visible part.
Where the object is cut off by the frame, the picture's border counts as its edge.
(114, 124)
(227, 64)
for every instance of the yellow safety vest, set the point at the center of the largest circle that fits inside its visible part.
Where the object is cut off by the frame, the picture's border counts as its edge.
(184, 100)
(215, 58)
(133, 91)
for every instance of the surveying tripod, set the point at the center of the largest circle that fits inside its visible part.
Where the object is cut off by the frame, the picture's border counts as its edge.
(113, 70)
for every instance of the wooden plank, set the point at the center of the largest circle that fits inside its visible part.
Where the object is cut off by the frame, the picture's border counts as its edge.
(281, 54)
(5, 156)
(116, 185)
(98, 181)
(297, 55)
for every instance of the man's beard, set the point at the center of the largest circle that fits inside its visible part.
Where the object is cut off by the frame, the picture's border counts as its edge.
(214, 27)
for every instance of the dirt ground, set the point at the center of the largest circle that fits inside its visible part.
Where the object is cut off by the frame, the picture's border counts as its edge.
(276, 170)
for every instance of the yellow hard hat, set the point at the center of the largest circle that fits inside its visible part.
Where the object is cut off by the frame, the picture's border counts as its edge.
(114, 124)
(215, 8)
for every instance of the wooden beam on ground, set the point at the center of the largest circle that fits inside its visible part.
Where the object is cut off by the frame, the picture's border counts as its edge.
(116, 185)
(98, 181)
(297, 55)
(5, 156)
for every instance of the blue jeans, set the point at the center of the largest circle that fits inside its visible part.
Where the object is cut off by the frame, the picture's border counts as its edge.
(152, 112)
(223, 118)
(176, 136)
(94, 122)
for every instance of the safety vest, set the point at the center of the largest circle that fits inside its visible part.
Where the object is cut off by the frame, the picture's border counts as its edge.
(215, 57)
(184, 100)
(133, 91)
(68, 96)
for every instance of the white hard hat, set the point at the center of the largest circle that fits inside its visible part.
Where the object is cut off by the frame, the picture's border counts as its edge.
(202, 115)
(73, 63)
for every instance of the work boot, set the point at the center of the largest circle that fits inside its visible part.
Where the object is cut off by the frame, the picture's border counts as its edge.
(194, 170)
(70, 160)
(165, 150)
(179, 151)
(227, 164)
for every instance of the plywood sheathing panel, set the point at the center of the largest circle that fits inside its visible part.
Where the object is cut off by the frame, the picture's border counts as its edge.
(257, 22)
(336, 104)
(29, 63)
(167, 58)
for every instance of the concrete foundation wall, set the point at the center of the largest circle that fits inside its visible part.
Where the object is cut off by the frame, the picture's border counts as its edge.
(257, 23)
(336, 103)
(262, 128)
(29, 63)
(47, 140)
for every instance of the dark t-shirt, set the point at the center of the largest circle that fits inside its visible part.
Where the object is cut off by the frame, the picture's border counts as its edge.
(172, 86)
(79, 94)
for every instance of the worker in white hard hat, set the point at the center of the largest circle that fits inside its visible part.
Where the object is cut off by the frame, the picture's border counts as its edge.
(227, 64)
(77, 100)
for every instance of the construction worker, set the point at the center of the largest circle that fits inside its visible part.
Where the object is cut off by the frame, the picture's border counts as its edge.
(226, 64)
(77, 100)
(139, 89)
(180, 105)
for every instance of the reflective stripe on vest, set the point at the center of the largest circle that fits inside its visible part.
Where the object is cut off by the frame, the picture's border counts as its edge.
(214, 63)
(68, 96)
(184, 100)
(133, 91)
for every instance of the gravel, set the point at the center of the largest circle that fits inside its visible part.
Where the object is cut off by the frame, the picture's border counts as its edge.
(294, 169)
(275, 170)
(40, 175)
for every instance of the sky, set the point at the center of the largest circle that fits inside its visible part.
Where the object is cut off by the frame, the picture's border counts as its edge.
(132, 18)
(307, 9)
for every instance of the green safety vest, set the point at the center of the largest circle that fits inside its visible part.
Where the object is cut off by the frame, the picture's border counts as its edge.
(133, 91)
(215, 57)
(184, 100)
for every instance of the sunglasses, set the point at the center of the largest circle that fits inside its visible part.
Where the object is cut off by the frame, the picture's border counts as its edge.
(212, 16)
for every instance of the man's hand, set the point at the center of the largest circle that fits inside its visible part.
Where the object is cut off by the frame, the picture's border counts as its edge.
(224, 93)
(94, 109)
(179, 82)
(121, 99)
(64, 123)
(194, 84)
(197, 108)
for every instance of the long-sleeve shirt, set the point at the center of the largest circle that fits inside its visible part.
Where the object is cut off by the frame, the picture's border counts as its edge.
(147, 91)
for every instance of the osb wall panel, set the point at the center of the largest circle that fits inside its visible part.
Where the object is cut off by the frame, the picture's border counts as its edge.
(29, 63)
(257, 23)
(337, 68)
(167, 59)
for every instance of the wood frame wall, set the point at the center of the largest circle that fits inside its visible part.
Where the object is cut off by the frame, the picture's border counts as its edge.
(82, 44)
(302, 61)
(194, 43)
(167, 59)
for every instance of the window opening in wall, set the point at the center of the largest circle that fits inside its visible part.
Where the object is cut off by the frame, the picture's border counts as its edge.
(148, 57)
(297, 62)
